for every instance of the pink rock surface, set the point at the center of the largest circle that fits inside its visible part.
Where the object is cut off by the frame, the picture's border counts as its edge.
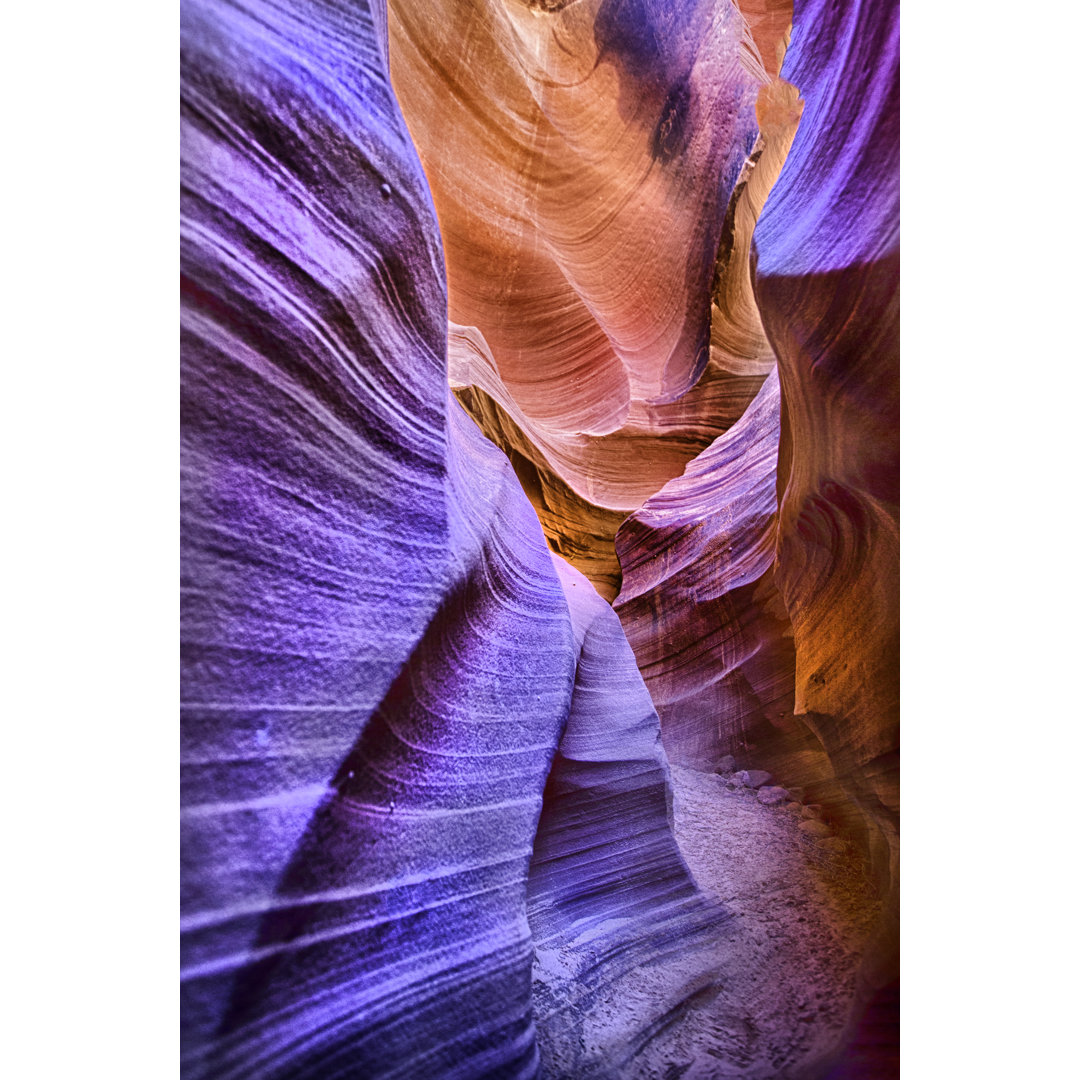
(698, 601)
(595, 168)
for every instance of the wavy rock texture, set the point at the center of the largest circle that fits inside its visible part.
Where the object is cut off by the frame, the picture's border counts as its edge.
(522, 115)
(768, 25)
(637, 973)
(699, 604)
(827, 282)
(584, 160)
(600, 908)
(788, 659)
(378, 656)
(427, 821)
(577, 529)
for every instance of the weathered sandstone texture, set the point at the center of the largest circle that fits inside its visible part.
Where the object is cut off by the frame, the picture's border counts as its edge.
(827, 279)
(377, 655)
(539, 539)
(698, 599)
(583, 160)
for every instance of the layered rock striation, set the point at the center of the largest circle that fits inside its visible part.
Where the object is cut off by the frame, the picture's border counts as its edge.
(608, 890)
(377, 655)
(379, 662)
(699, 603)
(827, 281)
(426, 811)
(584, 161)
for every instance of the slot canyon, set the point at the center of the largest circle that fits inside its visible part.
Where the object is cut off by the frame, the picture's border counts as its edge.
(539, 539)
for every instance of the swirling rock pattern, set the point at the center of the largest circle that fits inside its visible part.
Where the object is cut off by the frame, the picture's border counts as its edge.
(827, 281)
(641, 101)
(699, 604)
(377, 656)
(577, 526)
(601, 908)
(425, 810)
(379, 660)
(584, 160)
(394, 942)
(768, 24)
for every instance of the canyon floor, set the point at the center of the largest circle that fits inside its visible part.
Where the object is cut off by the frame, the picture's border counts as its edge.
(775, 996)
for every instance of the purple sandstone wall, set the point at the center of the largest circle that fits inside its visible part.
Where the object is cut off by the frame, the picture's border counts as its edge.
(378, 658)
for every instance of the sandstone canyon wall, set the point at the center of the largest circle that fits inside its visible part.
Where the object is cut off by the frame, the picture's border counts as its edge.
(827, 279)
(539, 427)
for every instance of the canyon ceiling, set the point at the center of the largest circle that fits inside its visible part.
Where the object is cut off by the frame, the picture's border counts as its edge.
(540, 494)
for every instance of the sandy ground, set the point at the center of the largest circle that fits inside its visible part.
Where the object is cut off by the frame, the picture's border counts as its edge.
(775, 995)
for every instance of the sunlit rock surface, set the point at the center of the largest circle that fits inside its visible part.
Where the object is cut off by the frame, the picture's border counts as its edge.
(583, 160)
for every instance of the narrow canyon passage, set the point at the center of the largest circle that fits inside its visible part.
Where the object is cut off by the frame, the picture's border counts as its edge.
(540, 517)
(775, 989)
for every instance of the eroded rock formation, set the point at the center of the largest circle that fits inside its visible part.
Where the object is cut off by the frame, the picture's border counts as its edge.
(827, 279)
(699, 603)
(582, 159)
(428, 825)
(602, 908)
(378, 659)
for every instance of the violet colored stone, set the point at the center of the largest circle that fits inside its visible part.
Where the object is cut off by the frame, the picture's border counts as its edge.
(377, 657)
(424, 806)
(598, 906)
(379, 665)
(755, 778)
(772, 796)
